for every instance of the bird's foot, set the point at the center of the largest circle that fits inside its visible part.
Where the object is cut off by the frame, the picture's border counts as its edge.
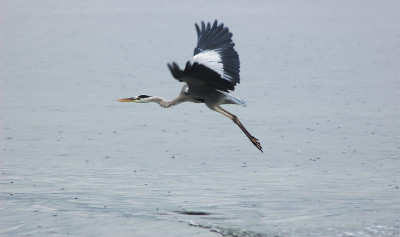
(256, 143)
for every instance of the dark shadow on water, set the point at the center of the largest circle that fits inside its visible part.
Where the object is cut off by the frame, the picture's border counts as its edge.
(193, 213)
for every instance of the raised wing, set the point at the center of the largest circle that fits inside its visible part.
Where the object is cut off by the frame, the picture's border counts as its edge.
(215, 50)
(216, 63)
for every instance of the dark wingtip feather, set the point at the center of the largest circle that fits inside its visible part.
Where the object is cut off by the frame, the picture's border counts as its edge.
(176, 72)
(197, 29)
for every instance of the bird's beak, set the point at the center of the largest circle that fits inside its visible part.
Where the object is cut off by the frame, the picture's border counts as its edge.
(132, 99)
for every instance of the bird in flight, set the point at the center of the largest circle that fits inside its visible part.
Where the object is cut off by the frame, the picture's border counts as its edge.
(213, 73)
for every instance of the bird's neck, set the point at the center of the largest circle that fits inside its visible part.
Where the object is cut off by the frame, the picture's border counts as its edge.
(163, 102)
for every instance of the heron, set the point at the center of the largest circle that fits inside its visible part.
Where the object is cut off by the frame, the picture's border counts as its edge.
(215, 71)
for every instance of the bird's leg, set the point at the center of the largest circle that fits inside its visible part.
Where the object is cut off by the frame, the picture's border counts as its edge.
(237, 122)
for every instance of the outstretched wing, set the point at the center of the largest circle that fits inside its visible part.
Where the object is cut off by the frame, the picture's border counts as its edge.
(215, 51)
(216, 63)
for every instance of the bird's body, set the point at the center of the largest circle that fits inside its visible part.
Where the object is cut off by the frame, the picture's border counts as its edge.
(214, 97)
(208, 80)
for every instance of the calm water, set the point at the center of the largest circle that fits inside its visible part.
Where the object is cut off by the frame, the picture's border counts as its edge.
(321, 83)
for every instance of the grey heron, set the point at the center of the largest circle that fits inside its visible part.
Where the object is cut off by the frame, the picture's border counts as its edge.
(208, 80)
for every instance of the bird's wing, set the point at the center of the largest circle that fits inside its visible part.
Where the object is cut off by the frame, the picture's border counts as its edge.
(216, 63)
(215, 50)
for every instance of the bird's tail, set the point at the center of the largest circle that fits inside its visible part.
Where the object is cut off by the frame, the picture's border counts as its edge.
(235, 100)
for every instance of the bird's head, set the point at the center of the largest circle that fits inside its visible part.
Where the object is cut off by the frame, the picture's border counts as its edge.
(137, 99)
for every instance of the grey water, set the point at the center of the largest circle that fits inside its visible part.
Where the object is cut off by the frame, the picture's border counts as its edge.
(321, 81)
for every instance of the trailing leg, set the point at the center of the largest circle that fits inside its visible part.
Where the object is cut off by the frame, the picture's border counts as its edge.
(236, 120)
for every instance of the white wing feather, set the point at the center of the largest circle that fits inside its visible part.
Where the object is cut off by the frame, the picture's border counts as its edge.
(212, 59)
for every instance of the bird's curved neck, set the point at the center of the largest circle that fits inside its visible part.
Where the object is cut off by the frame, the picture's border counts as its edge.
(165, 103)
